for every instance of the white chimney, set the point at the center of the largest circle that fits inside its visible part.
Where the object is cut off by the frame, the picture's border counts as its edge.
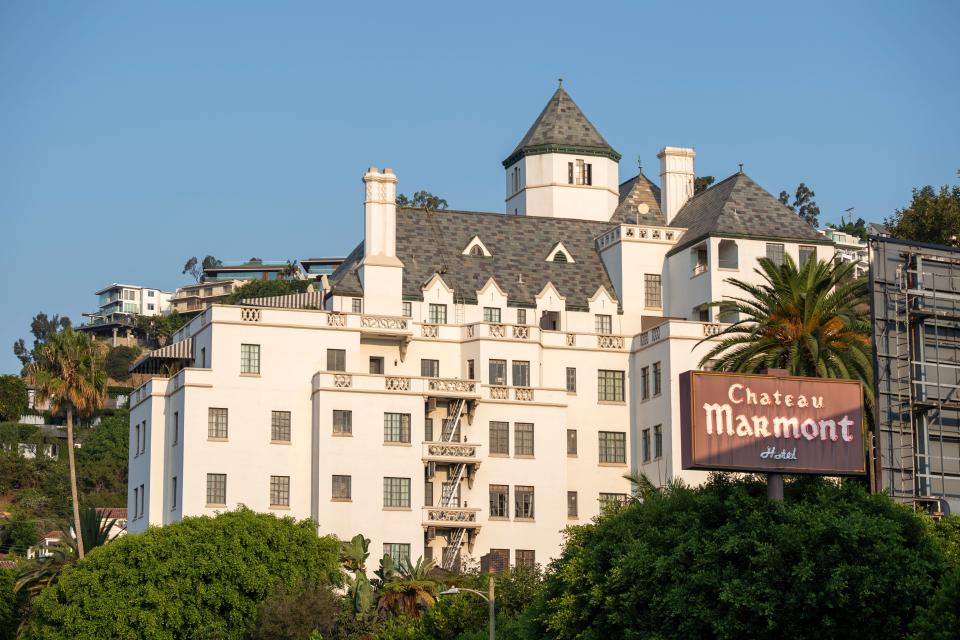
(676, 179)
(381, 273)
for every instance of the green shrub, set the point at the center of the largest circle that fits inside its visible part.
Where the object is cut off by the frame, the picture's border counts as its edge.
(13, 398)
(118, 361)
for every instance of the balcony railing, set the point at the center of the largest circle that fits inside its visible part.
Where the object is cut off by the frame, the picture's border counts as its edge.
(452, 452)
(521, 394)
(456, 517)
(610, 342)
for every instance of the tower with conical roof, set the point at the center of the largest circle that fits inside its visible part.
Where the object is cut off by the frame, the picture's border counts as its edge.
(563, 168)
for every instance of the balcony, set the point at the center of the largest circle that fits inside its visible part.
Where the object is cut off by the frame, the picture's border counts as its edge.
(451, 517)
(520, 394)
(500, 331)
(451, 452)
(433, 387)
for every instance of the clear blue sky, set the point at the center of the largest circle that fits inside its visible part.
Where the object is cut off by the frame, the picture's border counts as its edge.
(134, 135)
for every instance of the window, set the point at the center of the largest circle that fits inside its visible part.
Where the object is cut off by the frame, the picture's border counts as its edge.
(342, 488)
(176, 427)
(150, 294)
(499, 499)
(136, 500)
(143, 442)
(342, 421)
(356, 305)
(613, 447)
(727, 254)
(450, 432)
(216, 488)
(476, 251)
(450, 492)
(136, 450)
(610, 385)
(525, 558)
(280, 426)
(645, 383)
(491, 314)
(173, 493)
(376, 365)
(657, 442)
(657, 378)
(610, 500)
(559, 256)
(579, 172)
(572, 379)
(653, 296)
(129, 294)
(703, 313)
(521, 316)
(571, 442)
(438, 314)
(428, 429)
(471, 371)
(500, 438)
(399, 552)
(407, 309)
(603, 324)
(645, 445)
(396, 427)
(203, 357)
(498, 372)
(150, 307)
(279, 491)
(572, 504)
(216, 423)
(143, 499)
(430, 368)
(336, 360)
(522, 439)
(521, 373)
(207, 291)
(249, 358)
(428, 493)
(396, 492)
(806, 253)
(569, 173)
(523, 502)
(775, 253)
(699, 256)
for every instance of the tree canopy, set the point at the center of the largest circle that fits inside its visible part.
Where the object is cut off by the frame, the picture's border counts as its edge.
(702, 183)
(932, 216)
(265, 288)
(202, 577)
(118, 361)
(803, 203)
(195, 268)
(13, 398)
(858, 228)
(422, 200)
(41, 327)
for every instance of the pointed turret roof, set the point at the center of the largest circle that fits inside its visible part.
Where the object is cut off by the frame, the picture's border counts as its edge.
(562, 128)
(738, 207)
(634, 194)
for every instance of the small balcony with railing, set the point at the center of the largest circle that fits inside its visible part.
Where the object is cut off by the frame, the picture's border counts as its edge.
(451, 452)
(452, 517)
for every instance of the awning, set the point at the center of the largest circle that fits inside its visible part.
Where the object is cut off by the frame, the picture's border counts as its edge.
(165, 359)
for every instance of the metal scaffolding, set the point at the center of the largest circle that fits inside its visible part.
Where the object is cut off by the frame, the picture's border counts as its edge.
(915, 310)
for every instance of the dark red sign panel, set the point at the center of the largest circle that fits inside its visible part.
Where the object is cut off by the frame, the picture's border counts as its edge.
(771, 424)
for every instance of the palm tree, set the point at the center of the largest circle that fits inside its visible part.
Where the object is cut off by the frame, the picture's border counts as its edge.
(809, 320)
(67, 371)
(408, 590)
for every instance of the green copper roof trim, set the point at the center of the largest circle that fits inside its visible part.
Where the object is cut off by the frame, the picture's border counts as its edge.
(560, 148)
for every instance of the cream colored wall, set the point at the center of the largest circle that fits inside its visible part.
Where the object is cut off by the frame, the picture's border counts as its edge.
(546, 192)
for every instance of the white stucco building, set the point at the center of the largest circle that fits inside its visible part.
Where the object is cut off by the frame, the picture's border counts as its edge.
(476, 381)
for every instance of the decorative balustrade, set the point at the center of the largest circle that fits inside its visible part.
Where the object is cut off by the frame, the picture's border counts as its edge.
(383, 322)
(451, 515)
(451, 385)
(711, 328)
(610, 342)
(655, 334)
(470, 331)
(451, 450)
(497, 331)
(571, 339)
(335, 319)
(521, 332)
(430, 330)
(342, 380)
(396, 383)
(499, 393)
(644, 338)
(250, 314)
(524, 394)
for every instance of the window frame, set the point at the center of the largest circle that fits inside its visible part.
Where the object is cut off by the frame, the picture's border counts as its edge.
(523, 439)
(279, 491)
(214, 423)
(345, 426)
(603, 324)
(652, 284)
(492, 314)
(572, 440)
(337, 360)
(499, 507)
(437, 313)
(775, 252)
(610, 385)
(498, 363)
(571, 379)
(612, 447)
(216, 487)
(524, 502)
(521, 367)
(396, 427)
(344, 481)
(499, 445)
(396, 492)
(280, 426)
(250, 359)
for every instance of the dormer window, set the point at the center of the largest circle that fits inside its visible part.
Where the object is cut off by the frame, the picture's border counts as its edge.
(579, 172)
(475, 248)
(560, 256)
(559, 253)
(476, 251)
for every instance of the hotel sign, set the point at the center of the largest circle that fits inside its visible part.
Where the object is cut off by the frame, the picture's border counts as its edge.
(771, 424)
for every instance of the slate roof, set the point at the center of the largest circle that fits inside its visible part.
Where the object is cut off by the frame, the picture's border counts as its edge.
(634, 192)
(739, 207)
(561, 126)
(431, 242)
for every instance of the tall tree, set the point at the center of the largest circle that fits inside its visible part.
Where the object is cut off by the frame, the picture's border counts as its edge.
(857, 229)
(13, 398)
(68, 372)
(422, 200)
(803, 203)
(933, 216)
(702, 183)
(42, 327)
(195, 268)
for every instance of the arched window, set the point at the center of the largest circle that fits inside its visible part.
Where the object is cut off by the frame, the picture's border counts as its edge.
(727, 254)
(476, 250)
(559, 256)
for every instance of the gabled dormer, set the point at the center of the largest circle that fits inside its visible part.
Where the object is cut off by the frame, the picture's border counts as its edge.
(476, 248)
(559, 253)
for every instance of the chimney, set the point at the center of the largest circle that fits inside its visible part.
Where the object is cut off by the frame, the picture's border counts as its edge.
(381, 272)
(676, 179)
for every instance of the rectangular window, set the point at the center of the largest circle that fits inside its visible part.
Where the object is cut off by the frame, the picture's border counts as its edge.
(279, 491)
(136, 450)
(806, 253)
(356, 305)
(521, 316)
(657, 442)
(280, 426)
(645, 383)
(396, 427)
(450, 492)
(342, 421)
(523, 502)
(571, 442)
(522, 439)
(143, 499)
(336, 360)
(657, 379)
(613, 447)
(525, 558)
(203, 357)
(499, 499)
(428, 429)
(572, 379)
(491, 314)
(342, 488)
(376, 365)
(216, 423)
(429, 368)
(438, 314)
(500, 438)
(645, 445)
(249, 358)
(136, 501)
(569, 173)
(173, 492)
(217, 488)
(653, 296)
(609, 500)
(396, 492)
(572, 508)
(521, 373)
(471, 371)
(428, 493)
(775, 253)
(150, 307)
(399, 552)
(498, 372)
(701, 266)
(407, 309)
(610, 385)
(143, 441)
(603, 324)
